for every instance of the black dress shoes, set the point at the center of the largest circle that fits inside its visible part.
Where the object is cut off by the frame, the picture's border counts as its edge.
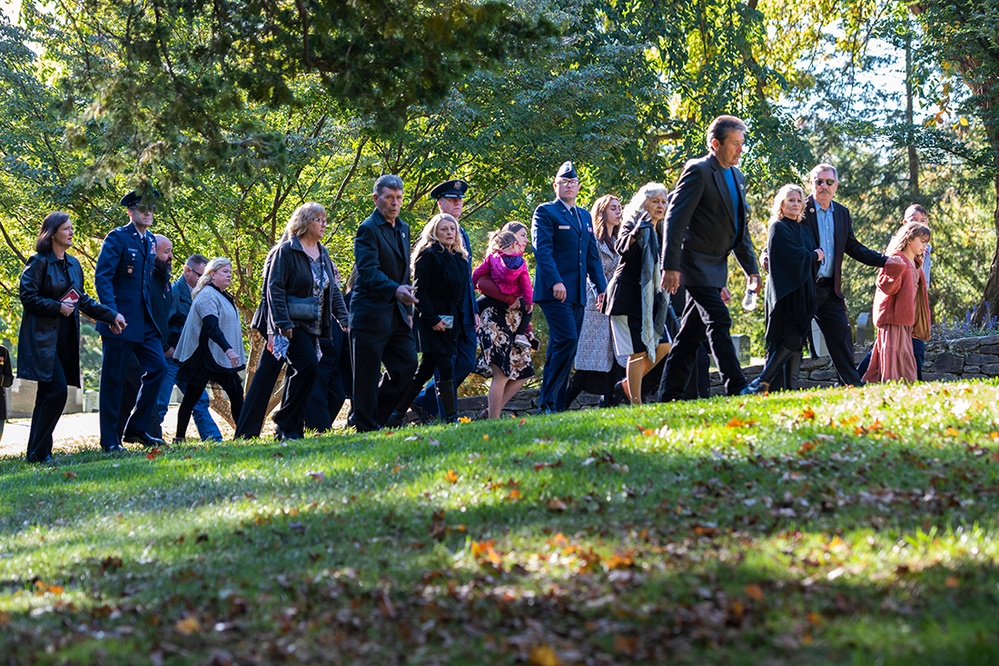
(47, 460)
(116, 448)
(144, 438)
(282, 436)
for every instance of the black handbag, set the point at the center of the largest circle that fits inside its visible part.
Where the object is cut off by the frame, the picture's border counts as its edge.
(303, 309)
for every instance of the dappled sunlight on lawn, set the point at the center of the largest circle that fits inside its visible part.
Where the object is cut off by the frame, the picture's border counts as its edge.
(808, 527)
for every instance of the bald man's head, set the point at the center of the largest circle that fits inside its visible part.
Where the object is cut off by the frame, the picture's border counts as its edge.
(164, 249)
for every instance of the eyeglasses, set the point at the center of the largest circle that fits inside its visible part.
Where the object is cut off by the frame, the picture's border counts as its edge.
(193, 271)
(568, 182)
(319, 219)
(828, 181)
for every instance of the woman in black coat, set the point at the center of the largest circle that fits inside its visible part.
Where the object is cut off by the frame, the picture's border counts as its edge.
(635, 300)
(303, 297)
(48, 345)
(790, 297)
(440, 282)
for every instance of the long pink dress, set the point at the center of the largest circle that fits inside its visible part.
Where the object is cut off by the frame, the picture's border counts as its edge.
(892, 358)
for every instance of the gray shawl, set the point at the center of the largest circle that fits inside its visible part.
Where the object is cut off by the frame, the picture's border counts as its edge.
(210, 301)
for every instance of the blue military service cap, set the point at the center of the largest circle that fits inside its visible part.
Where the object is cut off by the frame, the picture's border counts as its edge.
(567, 170)
(449, 189)
(133, 198)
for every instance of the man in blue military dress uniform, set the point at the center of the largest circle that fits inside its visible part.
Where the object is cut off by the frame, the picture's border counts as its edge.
(565, 252)
(123, 279)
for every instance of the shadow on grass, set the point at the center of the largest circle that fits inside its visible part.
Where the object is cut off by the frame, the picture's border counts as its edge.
(730, 532)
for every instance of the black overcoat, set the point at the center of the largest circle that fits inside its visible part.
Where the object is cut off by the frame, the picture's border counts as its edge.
(44, 282)
(440, 280)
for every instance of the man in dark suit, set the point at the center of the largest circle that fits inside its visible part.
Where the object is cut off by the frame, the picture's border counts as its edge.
(450, 198)
(565, 252)
(381, 314)
(123, 280)
(706, 220)
(832, 227)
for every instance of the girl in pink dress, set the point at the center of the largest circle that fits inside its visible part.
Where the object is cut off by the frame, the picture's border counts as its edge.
(507, 268)
(901, 289)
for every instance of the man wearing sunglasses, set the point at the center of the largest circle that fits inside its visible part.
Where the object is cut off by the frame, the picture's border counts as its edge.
(832, 227)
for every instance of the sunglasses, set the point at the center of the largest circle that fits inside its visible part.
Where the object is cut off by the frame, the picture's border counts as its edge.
(828, 181)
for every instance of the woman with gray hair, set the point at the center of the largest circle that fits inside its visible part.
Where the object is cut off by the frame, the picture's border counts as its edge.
(303, 296)
(635, 299)
(210, 348)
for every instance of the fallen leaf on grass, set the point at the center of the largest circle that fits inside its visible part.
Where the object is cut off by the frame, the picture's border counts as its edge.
(543, 655)
(622, 560)
(189, 625)
(543, 465)
(755, 592)
(806, 447)
(316, 476)
(514, 495)
(807, 413)
(736, 422)
(5, 618)
(952, 581)
(464, 419)
(42, 587)
(451, 476)
(485, 552)
(70, 475)
(625, 644)
(556, 505)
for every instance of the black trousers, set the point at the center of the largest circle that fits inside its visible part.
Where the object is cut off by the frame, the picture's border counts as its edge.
(376, 395)
(328, 394)
(705, 317)
(50, 398)
(303, 366)
(149, 352)
(230, 383)
(251, 417)
(835, 326)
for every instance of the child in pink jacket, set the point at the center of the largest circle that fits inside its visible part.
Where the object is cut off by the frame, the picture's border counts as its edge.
(507, 269)
(901, 286)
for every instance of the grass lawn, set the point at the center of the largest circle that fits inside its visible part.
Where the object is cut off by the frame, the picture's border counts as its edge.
(831, 526)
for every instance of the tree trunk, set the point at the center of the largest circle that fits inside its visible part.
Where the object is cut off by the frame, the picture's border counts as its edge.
(910, 121)
(990, 300)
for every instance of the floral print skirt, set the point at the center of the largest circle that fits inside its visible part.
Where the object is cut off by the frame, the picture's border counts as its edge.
(496, 335)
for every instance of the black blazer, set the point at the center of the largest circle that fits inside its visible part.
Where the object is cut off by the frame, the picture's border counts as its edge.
(381, 256)
(699, 230)
(6, 379)
(44, 281)
(844, 240)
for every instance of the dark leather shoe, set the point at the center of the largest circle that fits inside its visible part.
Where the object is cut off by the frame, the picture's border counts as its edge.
(282, 436)
(116, 448)
(144, 438)
(47, 460)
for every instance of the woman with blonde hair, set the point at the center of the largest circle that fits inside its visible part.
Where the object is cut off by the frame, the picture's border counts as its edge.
(440, 284)
(303, 298)
(210, 348)
(790, 293)
(635, 300)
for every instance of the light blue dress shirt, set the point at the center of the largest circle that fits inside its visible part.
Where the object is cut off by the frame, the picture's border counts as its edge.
(827, 238)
